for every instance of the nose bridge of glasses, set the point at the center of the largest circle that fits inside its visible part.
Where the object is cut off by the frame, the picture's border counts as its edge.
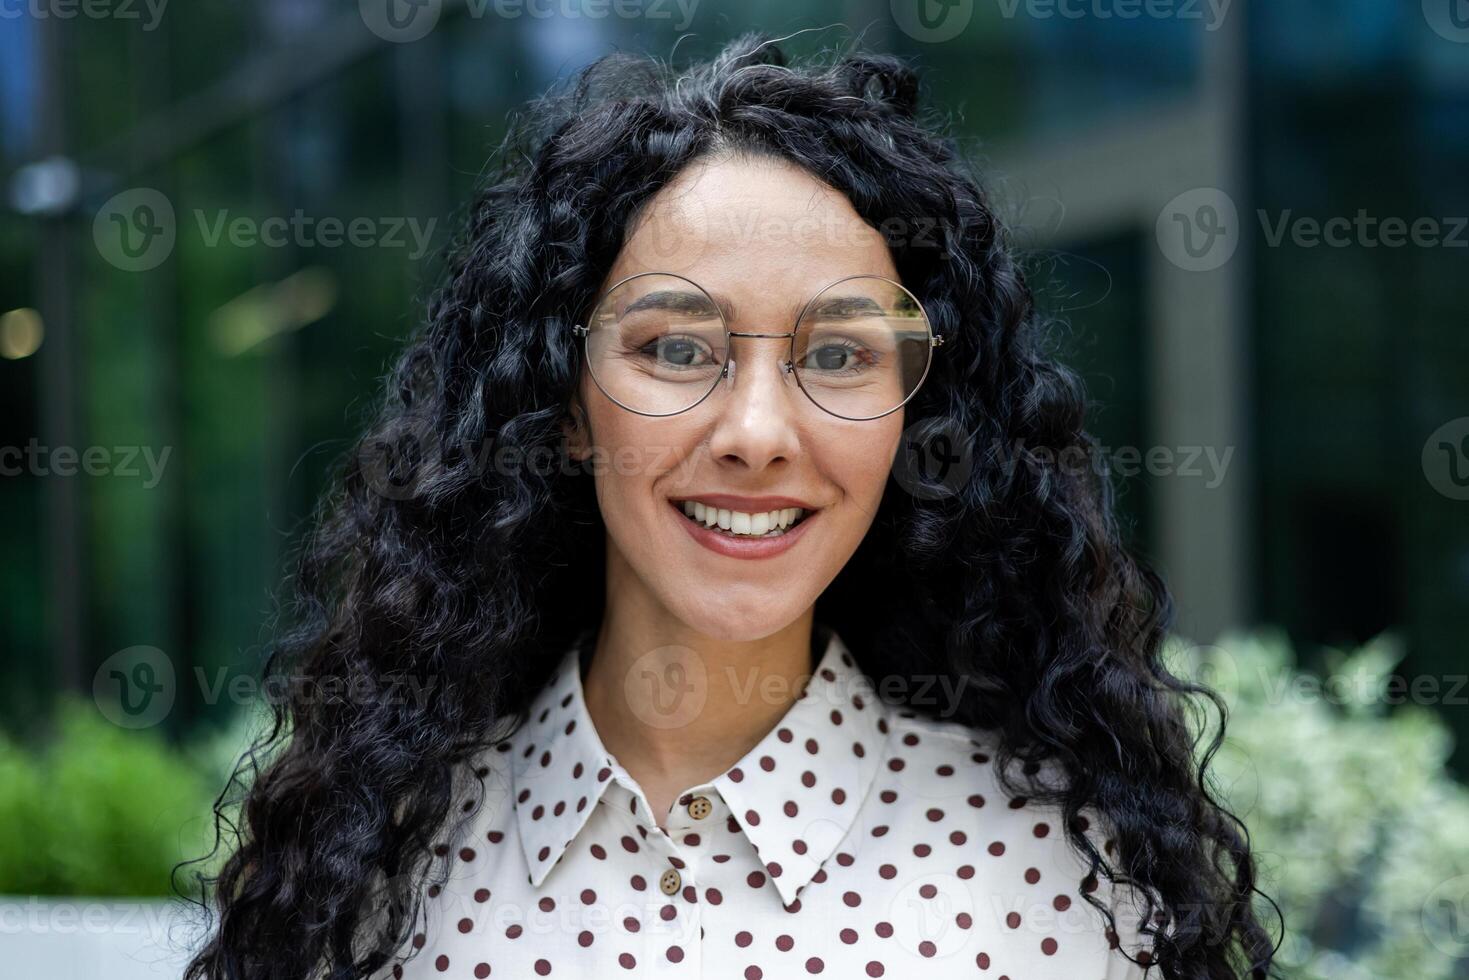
(780, 350)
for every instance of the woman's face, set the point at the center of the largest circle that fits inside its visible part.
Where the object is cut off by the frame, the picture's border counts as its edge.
(762, 237)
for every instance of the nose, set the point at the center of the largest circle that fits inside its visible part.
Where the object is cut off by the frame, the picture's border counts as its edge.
(758, 405)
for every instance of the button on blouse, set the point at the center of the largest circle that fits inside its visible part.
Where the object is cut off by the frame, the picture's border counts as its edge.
(856, 839)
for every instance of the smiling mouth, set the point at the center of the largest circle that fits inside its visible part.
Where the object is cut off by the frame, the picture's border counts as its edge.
(739, 524)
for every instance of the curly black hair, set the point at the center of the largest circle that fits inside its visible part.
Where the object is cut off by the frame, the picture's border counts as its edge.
(455, 573)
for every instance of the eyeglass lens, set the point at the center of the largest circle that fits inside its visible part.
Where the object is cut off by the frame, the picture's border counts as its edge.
(656, 344)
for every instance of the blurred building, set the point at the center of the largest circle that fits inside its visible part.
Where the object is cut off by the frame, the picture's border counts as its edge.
(1298, 398)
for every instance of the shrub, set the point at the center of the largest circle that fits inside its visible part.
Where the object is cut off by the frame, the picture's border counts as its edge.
(100, 810)
(1362, 833)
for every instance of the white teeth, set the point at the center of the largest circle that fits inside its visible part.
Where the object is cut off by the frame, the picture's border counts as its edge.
(764, 523)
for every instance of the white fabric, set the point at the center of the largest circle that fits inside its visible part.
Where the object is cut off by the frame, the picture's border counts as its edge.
(857, 839)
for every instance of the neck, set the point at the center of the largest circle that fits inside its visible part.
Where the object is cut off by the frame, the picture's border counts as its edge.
(677, 708)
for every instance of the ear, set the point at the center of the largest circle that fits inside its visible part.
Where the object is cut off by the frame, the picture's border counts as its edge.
(575, 427)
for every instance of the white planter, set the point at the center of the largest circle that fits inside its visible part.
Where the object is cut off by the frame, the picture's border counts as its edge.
(70, 938)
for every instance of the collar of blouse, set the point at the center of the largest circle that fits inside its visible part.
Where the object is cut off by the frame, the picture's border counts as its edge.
(794, 795)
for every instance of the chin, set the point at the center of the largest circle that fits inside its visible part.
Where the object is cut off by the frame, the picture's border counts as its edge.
(738, 621)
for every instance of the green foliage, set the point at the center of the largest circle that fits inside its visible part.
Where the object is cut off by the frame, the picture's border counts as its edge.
(1341, 780)
(99, 811)
(22, 823)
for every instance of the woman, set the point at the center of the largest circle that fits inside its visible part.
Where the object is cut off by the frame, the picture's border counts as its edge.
(740, 685)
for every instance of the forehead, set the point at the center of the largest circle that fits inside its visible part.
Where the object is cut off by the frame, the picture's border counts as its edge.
(761, 235)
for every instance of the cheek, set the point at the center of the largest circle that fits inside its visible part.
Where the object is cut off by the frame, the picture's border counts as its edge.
(637, 457)
(864, 461)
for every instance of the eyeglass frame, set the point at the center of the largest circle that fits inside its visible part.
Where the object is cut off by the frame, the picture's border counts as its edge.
(934, 340)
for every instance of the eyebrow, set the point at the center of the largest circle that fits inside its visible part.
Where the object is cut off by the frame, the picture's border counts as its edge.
(683, 301)
(676, 301)
(848, 306)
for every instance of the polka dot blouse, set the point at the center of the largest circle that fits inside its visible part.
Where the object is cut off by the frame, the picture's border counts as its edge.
(857, 839)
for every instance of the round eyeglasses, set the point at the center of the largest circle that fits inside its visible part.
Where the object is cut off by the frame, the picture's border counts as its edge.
(657, 344)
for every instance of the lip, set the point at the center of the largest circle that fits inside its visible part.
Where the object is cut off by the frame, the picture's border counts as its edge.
(752, 548)
(750, 505)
